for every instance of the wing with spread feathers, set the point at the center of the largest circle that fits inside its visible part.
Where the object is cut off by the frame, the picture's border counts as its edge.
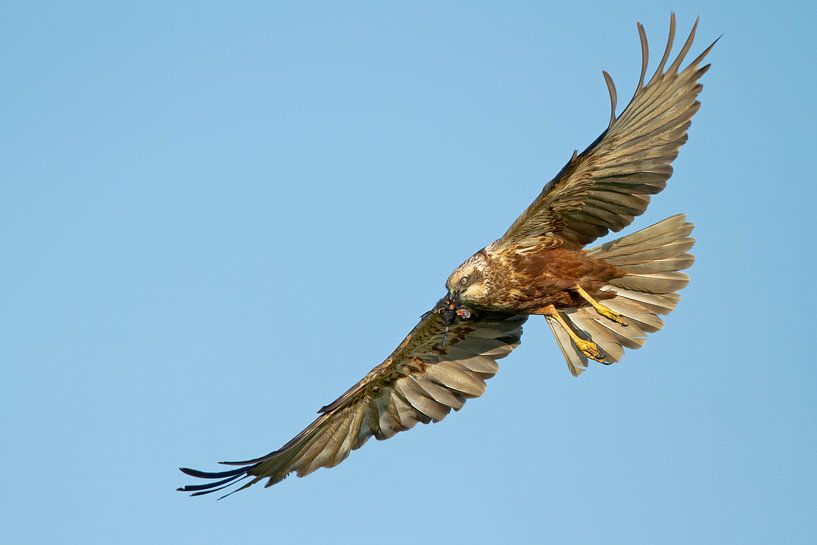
(421, 381)
(603, 188)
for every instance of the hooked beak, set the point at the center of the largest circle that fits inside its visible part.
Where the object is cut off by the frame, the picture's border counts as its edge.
(454, 299)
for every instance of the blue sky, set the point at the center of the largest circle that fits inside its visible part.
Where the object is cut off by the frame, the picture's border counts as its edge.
(216, 217)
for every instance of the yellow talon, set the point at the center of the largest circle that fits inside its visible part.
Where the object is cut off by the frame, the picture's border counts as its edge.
(588, 348)
(601, 309)
(611, 315)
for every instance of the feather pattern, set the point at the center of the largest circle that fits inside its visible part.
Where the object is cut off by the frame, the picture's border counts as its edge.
(606, 186)
(538, 260)
(419, 382)
(652, 259)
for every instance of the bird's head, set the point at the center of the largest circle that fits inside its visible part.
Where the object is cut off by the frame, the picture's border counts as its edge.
(467, 285)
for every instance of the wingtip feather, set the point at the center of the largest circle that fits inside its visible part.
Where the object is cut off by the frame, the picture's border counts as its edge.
(611, 88)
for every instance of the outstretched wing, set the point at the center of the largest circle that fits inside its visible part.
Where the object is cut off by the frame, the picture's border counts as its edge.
(431, 372)
(603, 188)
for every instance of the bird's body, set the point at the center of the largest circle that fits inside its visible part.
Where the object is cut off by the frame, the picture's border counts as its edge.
(529, 276)
(597, 301)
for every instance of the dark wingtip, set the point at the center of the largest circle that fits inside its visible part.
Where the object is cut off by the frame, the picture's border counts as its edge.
(211, 474)
(223, 479)
(705, 52)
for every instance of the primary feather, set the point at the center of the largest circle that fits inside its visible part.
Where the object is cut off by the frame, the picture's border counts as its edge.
(419, 382)
(607, 185)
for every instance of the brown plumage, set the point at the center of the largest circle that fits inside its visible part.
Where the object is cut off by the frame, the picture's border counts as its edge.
(596, 301)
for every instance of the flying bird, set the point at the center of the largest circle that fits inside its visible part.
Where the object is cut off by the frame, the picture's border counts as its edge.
(597, 301)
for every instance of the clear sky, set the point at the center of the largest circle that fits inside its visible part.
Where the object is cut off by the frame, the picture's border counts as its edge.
(214, 218)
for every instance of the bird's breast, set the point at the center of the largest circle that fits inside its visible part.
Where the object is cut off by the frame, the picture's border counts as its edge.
(521, 281)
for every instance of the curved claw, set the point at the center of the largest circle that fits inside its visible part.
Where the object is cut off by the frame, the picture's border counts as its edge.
(590, 349)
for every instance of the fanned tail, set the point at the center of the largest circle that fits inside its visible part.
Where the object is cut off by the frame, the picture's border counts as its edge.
(653, 259)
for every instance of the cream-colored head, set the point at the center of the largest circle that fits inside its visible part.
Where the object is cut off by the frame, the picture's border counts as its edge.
(468, 283)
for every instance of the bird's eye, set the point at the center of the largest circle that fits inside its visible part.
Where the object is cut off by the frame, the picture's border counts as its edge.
(464, 281)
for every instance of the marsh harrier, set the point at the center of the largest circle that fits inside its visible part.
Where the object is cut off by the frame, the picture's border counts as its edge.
(597, 301)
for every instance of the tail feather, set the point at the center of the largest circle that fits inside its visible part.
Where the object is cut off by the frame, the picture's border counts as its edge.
(653, 259)
(676, 263)
(663, 282)
(576, 361)
(657, 304)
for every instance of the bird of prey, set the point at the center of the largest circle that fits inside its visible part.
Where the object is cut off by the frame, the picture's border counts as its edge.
(596, 301)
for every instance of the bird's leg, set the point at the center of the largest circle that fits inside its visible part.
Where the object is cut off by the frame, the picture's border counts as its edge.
(588, 348)
(601, 309)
